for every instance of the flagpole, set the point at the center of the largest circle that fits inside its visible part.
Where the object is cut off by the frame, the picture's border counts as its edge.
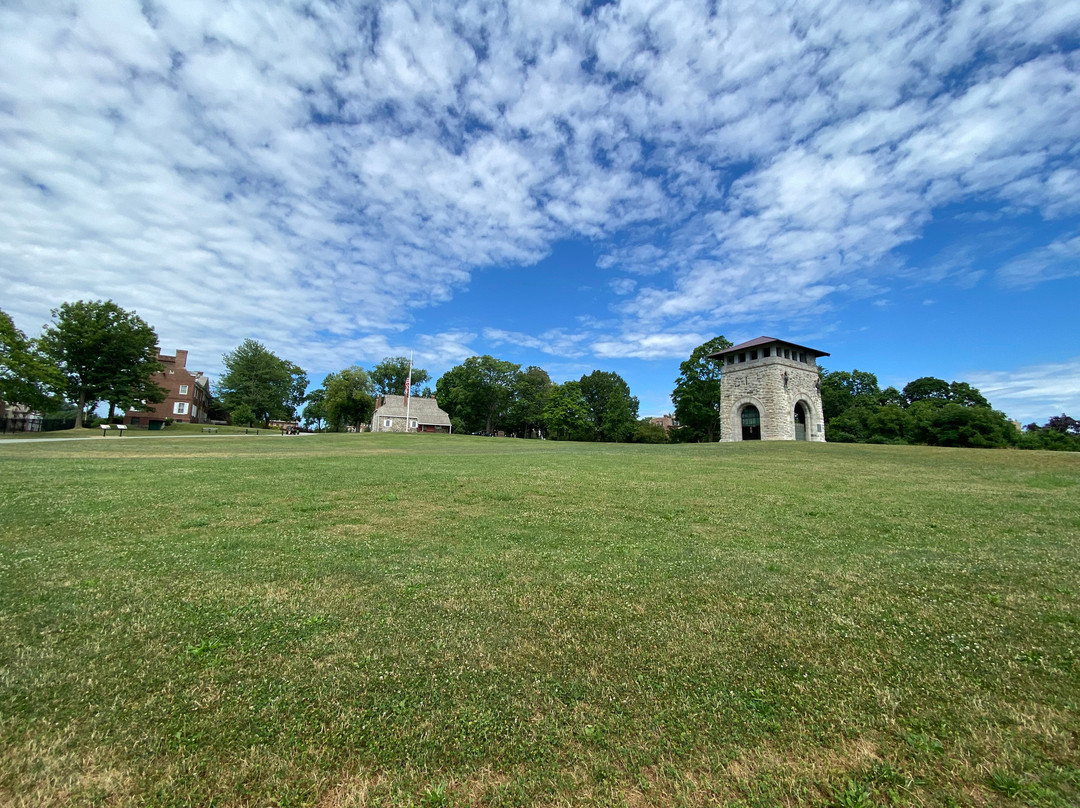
(408, 398)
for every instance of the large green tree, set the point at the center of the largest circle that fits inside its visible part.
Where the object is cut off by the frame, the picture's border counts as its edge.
(843, 390)
(26, 376)
(315, 408)
(478, 392)
(350, 398)
(697, 392)
(104, 353)
(254, 377)
(566, 415)
(390, 374)
(612, 410)
(526, 414)
(925, 389)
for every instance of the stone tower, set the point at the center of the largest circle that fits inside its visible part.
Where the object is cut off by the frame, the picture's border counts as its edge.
(770, 391)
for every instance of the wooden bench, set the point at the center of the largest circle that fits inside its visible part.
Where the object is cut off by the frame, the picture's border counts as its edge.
(209, 429)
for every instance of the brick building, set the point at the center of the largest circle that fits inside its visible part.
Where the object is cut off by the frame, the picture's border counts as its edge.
(188, 398)
(665, 422)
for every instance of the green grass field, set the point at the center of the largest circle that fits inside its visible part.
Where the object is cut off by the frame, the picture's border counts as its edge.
(351, 620)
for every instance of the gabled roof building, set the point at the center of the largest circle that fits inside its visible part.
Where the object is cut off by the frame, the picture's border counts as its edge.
(424, 415)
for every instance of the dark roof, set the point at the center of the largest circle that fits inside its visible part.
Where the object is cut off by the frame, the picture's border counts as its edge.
(424, 410)
(742, 346)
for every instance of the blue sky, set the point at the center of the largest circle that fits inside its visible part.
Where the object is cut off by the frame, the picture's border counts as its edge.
(575, 186)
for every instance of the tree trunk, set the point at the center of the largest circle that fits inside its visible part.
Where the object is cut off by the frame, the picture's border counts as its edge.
(79, 411)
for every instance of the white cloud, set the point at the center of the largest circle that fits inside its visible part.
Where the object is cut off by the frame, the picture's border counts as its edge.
(314, 173)
(1032, 393)
(555, 342)
(648, 346)
(1059, 259)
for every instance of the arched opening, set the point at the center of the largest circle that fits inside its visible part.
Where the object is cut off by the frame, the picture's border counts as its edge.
(800, 421)
(751, 423)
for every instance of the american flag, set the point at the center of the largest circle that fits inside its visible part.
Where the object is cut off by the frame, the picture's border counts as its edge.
(408, 379)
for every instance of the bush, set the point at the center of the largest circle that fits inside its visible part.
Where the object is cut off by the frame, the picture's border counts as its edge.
(647, 432)
(242, 415)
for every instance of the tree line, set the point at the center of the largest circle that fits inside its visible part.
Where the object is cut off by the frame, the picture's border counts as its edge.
(929, 411)
(95, 352)
(486, 396)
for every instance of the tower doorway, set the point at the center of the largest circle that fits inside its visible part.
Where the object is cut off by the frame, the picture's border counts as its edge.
(800, 421)
(751, 423)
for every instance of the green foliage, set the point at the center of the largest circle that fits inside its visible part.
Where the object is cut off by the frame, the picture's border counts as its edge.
(1008, 784)
(526, 414)
(254, 377)
(566, 413)
(842, 391)
(612, 411)
(853, 794)
(645, 431)
(890, 396)
(104, 353)
(928, 411)
(478, 393)
(216, 410)
(27, 377)
(926, 388)
(242, 415)
(388, 376)
(964, 394)
(350, 398)
(485, 395)
(945, 423)
(1060, 434)
(697, 393)
(315, 408)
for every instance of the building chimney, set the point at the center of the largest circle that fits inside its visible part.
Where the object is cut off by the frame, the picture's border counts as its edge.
(181, 358)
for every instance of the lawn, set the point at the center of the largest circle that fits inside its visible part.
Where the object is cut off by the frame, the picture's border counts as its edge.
(351, 620)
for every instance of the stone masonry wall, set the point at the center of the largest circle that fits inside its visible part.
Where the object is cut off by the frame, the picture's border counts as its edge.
(761, 382)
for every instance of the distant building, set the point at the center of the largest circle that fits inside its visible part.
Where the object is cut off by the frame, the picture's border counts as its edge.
(666, 422)
(187, 400)
(770, 390)
(18, 418)
(424, 415)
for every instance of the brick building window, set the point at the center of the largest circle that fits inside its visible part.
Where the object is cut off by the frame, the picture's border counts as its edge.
(183, 389)
(180, 408)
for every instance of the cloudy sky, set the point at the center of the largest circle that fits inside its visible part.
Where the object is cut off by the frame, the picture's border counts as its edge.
(578, 186)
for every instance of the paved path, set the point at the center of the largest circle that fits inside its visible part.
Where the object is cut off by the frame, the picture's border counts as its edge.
(267, 433)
